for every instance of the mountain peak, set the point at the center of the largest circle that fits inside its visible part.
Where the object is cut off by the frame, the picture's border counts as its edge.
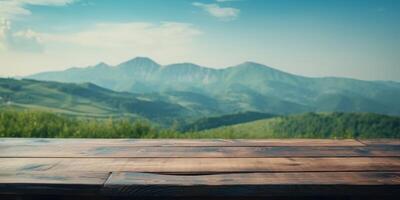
(141, 60)
(251, 63)
(101, 65)
(139, 65)
(259, 66)
(142, 63)
(184, 64)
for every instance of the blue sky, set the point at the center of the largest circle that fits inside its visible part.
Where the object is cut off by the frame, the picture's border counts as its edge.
(350, 38)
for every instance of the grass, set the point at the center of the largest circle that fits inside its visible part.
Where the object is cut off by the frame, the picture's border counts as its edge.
(31, 123)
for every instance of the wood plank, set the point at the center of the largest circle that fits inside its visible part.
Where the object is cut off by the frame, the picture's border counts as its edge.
(253, 184)
(197, 165)
(54, 177)
(78, 151)
(182, 142)
(325, 178)
(204, 168)
(52, 182)
(381, 142)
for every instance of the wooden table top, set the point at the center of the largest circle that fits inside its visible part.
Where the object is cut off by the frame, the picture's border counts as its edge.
(199, 168)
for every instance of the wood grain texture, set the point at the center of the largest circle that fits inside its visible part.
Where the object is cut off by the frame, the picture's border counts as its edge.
(252, 184)
(197, 165)
(125, 151)
(52, 182)
(306, 178)
(53, 177)
(181, 142)
(202, 168)
(381, 142)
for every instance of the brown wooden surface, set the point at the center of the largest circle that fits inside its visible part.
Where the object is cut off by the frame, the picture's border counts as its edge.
(251, 184)
(197, 165)
(182, 142)
(185, 168)
(126, 151)
(380, 142)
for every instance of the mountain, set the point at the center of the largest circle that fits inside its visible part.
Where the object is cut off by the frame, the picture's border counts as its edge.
(311, 125)
(85, 99)
(246, 87)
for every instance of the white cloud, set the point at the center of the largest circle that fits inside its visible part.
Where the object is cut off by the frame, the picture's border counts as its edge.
(222, 13)
(24, 40)
(13, 8)
(4, 26)
(29, 51)
(166, 42)
(127, 35)
(20, 41)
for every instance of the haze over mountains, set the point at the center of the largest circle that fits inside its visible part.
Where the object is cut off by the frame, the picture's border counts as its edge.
(246, 87)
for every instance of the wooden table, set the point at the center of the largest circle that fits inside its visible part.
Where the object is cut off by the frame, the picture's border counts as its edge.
(181, 169)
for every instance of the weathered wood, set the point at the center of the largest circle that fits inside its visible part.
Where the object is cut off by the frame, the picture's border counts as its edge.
(197, 165)
(381, 142)
(53, 177)
(181, 142)
(79, 151)
(252, 184)
(203, 168)
(307, 178)
(52, 182)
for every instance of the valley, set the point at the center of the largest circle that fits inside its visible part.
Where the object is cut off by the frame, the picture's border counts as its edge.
(185, 100)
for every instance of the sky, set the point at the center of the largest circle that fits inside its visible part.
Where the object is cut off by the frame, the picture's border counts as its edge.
(347, 38)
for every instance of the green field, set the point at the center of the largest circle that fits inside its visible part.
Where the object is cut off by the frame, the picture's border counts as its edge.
(30, 108)
(28, 123)
(85, 100)
(312, 125)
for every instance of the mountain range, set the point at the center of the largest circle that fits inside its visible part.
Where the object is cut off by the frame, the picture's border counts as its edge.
(249, 86)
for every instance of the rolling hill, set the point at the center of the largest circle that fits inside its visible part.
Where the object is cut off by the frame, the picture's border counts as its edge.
(311, 125)
(225, 120)
(246, 87)
(84, 99)
(31, 123)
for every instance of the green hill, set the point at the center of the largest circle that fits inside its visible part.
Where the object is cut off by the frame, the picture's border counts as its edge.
(84, 99)
(30, 123)
(225, 120)
(311, 125)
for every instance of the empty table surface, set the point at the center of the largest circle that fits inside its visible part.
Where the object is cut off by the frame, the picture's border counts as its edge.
(126, 168)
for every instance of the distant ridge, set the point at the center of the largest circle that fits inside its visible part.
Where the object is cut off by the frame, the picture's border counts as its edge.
(248, 86)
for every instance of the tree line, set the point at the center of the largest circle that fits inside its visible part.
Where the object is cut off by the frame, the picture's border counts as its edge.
(38, 124)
